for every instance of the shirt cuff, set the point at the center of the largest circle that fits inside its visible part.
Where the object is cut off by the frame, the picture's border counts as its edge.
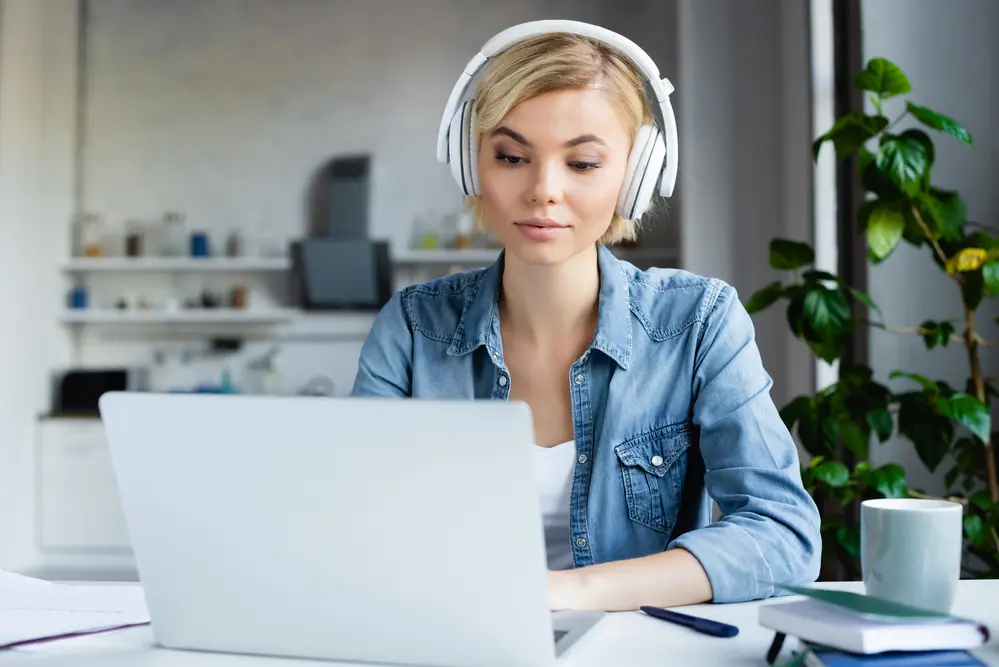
(732, 559)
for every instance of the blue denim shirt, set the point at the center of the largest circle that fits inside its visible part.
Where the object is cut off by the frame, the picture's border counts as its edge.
(671, 408)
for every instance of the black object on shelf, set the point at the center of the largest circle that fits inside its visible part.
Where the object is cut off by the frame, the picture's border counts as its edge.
(341, 274)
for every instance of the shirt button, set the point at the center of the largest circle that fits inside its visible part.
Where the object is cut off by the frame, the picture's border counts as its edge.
(495, 356)
(582, 458)
(657, 461)
(579, 379)
(502, 380)
(580, 542)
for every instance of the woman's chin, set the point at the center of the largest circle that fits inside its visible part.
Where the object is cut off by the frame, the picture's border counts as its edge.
(545, 253)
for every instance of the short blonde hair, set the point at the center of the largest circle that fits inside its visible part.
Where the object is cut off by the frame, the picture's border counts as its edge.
(554, 62)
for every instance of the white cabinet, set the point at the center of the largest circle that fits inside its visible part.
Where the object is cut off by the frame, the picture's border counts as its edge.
(77, 506)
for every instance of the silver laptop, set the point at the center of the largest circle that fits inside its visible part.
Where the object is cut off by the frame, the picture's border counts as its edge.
(369, 530)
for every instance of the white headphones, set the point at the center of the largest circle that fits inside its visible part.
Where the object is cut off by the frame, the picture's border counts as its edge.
(653, 159)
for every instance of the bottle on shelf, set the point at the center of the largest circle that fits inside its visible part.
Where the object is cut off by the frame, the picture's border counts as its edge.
(90, 233)
(175, 236)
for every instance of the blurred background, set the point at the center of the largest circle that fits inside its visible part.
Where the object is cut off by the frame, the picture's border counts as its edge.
(217, 195)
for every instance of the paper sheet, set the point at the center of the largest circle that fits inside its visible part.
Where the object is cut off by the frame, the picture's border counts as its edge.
(32, 609)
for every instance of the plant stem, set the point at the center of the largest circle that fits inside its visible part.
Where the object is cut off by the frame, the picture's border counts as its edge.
(936, 246)
(910, 330)
(972, 341)
(926, 496)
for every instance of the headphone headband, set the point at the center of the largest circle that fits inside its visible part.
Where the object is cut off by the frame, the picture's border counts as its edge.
(661, 87)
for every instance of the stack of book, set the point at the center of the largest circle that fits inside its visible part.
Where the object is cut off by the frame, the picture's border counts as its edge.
(841, 629)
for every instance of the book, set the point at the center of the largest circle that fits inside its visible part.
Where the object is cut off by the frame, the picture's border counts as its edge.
(824, 657)
(866, 625)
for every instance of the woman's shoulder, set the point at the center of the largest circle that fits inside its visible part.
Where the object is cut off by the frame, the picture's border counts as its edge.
(670, 300)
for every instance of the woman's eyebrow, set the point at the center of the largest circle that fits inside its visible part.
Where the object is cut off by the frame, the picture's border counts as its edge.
(519, 138)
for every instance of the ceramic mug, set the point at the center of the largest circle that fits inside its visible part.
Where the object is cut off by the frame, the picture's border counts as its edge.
(910, 550)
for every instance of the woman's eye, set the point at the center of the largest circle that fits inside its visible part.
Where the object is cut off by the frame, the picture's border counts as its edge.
(583, 166)
(509, 159)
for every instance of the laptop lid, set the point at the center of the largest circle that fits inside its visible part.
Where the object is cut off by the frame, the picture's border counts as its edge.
(366, 529)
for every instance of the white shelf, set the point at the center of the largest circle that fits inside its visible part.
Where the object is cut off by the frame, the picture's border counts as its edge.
(474, 257)
(176, 264)
(208, 316)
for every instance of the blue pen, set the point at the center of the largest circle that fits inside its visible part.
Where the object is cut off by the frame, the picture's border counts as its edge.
(704, 625)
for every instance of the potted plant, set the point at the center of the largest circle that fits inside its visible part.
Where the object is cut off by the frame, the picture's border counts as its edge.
(949, 427)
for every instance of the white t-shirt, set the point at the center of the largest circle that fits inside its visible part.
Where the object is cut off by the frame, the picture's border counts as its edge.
(554, 474)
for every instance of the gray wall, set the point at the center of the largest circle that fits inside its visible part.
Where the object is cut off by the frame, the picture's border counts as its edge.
(950, 53)
(745, 174)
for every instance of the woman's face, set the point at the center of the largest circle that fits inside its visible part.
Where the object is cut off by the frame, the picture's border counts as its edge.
(551, 172)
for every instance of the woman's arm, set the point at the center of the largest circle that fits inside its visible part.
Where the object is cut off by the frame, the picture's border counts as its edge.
(671, 578)
(768, 534)
(385, 367)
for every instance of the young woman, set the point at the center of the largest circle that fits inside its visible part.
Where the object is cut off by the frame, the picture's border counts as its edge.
(647, 390)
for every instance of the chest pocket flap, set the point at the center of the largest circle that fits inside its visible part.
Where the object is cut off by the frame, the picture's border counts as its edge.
(653, 467)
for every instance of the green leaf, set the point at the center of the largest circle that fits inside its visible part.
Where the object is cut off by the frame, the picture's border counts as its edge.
(973, 289)
(864, 298)
(796, 410)
(990, 276)
(923, 139)
(915, 377)
(931, 433)
(828, 312)
(833, 473)
(881, 422)
(969, 412)
(764, 297)
(874, 180)
(815, 275)
(951, 476)
(905, 161)
(849, 539)
(884, 229)
(947, 209)
(787, 254)
(889, 480)
(850, 132)
(855, 438)
(974, 528)
(936, 333)
(938, 121)
(982, 501)
(826, 350)
(883, 78)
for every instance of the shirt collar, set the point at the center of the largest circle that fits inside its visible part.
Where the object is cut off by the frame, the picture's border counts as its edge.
(479, 323)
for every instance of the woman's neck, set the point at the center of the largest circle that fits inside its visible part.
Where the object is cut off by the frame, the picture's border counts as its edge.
(547, 304)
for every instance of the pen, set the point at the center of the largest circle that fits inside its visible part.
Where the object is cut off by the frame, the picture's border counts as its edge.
(705, 625)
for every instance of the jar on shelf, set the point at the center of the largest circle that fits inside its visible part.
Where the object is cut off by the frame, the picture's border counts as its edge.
(175, 238)
(91, 233)
(133, 238)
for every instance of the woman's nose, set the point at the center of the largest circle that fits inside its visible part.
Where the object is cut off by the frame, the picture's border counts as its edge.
(546, 184)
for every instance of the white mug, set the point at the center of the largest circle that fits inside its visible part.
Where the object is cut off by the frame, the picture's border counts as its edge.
(910, 551)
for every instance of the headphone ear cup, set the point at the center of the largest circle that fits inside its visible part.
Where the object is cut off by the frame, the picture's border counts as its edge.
(638, 160)
(651, 176)
(472, 141)
(457, 147)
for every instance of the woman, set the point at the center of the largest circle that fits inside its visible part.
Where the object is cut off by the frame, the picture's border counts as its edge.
(647, 390)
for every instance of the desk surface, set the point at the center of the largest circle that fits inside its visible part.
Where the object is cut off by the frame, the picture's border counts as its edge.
(628, 639)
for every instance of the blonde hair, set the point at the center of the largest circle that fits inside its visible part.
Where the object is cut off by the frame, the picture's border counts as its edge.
(555, 62)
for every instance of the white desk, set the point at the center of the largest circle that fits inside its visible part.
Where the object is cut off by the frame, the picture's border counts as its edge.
(620, 640)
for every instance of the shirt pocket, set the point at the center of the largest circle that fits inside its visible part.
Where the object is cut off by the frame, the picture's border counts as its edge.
(653, 467)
